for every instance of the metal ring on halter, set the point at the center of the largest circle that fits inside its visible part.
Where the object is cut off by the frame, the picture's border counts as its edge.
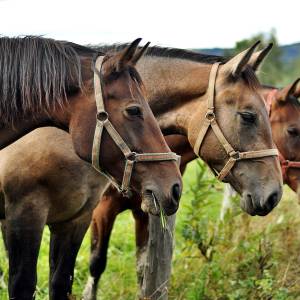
(210, 115)
(102, 116)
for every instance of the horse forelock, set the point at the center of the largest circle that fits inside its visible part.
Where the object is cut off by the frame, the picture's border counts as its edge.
(250, 78)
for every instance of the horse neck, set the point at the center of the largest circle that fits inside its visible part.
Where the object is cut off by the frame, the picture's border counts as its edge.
(11, 133)
(174, 88)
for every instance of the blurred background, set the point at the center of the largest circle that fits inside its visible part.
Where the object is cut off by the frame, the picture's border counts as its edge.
(235, 257)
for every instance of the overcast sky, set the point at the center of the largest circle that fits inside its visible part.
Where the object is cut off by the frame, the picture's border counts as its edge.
(183, 23)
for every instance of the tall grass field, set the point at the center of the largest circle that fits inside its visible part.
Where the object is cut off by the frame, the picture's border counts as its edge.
(241, 257)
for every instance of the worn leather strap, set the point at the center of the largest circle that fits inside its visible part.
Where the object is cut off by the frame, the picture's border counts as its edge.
(210, 121)
(236, 156)
(286, 165)
(102, 121)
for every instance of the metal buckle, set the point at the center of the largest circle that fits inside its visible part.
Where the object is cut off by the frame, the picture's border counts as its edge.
(102, 116)
(235, 155)
(132, 156)
(285, 163)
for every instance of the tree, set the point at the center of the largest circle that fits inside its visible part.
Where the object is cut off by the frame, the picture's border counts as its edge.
(272, 71)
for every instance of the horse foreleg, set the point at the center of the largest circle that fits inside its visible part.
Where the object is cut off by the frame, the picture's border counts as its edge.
(24, 227)
(103, 220)
(65, 241)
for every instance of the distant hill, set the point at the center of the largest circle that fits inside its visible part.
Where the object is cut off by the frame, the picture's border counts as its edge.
(289, 52)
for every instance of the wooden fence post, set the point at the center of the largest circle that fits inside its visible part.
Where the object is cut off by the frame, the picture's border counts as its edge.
(157, 265)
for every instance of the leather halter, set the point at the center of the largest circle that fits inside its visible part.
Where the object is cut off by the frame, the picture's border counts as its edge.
(210, 121)
(102, 121)
(284, 163)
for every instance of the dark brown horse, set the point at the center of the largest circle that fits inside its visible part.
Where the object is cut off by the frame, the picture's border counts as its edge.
(177, 82)
(49, 82)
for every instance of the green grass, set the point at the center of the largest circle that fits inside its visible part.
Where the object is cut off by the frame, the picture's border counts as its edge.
(234, 271)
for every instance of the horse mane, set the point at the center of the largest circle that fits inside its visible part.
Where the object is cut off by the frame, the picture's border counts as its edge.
(37, 74)
(168, 52)
(248, 74)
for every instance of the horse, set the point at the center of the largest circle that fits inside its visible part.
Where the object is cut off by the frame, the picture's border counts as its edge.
(284, 112)
(177, 83)
(56, 83)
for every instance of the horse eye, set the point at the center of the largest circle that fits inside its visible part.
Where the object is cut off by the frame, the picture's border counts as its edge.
(248, 117)
(292, 131)
(134, 111)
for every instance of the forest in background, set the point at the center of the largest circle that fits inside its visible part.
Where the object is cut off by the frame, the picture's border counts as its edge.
(282, 65)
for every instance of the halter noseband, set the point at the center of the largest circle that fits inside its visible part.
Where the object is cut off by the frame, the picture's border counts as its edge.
(284, 163)
(102, 121)
(210, 121)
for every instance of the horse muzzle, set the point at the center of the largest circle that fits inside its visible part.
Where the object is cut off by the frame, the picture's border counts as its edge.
(157, 202)
(258, 203)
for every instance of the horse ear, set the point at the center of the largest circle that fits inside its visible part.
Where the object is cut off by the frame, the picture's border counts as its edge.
(297, 91)
(290, 90)
(236, 64)
(257, 57)
(139, 54)
(128, 54)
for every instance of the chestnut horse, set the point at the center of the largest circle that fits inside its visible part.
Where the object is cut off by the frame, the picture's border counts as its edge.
(177, 83)
(285, 122)
(49, 82)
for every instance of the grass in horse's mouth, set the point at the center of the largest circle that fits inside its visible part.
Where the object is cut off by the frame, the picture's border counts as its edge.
(162, 213)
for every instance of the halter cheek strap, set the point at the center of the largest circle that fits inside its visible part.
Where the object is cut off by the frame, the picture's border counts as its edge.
(210, 121)
(103, 122)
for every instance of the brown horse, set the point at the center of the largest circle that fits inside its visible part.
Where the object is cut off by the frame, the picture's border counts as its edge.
(49, 80)
(285, 122)
(177, 81)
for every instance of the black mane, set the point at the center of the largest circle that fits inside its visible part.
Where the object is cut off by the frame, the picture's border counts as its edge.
(37, 74)
(248, 74)
(168, 52)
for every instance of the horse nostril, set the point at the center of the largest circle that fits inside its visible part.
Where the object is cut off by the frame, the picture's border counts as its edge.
(176, 193)
(272, 200)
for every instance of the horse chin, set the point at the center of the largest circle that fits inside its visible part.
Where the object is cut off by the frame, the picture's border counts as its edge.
(148, 204)
(247, 204)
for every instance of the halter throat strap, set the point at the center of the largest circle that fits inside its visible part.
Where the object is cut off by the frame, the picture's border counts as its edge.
(103, 122)
(210, 121)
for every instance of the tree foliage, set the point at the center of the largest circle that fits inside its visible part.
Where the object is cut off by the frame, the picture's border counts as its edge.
(272, 70)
